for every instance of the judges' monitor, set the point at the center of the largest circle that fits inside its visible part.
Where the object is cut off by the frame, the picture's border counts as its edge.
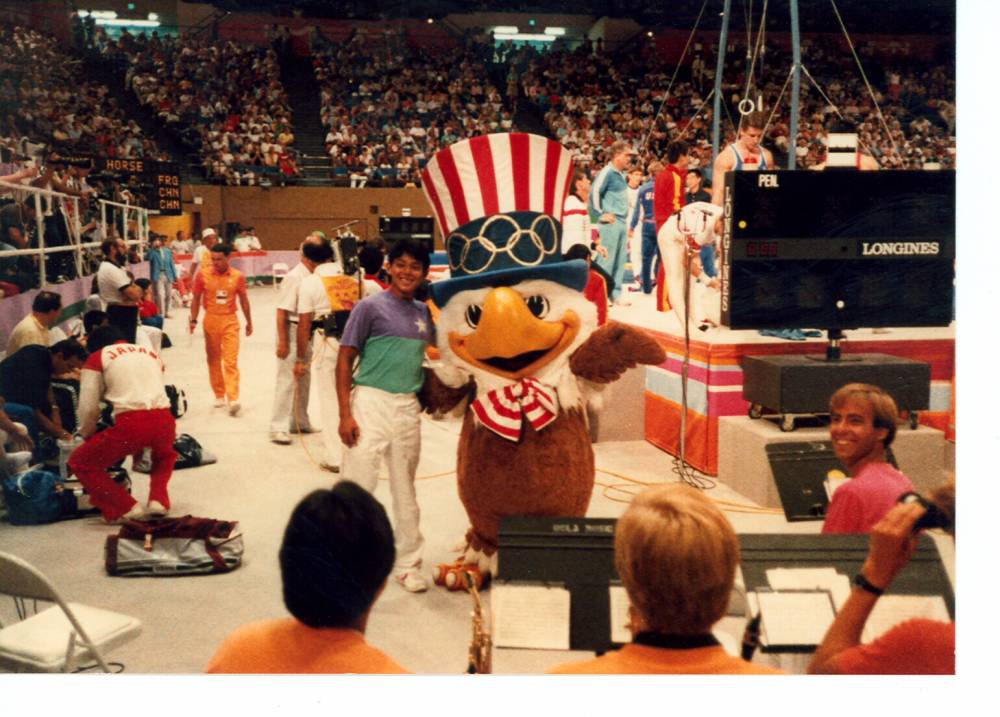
(838, 249)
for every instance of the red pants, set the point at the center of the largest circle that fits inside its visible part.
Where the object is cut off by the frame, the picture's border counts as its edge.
(133, 431)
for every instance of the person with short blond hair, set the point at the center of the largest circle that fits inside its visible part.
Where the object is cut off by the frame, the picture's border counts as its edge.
(609, 201)
(676, 554)
(862, 425)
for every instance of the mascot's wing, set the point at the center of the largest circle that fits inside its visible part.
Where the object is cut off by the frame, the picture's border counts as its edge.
(438, 397)
(613, 349)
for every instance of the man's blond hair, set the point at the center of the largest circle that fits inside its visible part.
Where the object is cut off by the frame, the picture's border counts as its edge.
(677, 555)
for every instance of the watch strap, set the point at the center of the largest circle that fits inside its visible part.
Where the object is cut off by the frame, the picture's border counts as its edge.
(862, 582)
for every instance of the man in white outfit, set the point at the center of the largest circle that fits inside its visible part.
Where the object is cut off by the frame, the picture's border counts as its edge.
(290, 413)
(326, 298)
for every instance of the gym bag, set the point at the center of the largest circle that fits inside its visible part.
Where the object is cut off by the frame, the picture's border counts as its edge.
(35, 497)
(174, 546)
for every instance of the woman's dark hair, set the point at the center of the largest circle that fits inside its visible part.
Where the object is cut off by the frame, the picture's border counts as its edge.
(336, 555)
(577, 251)
(92, 319)
(143, 283)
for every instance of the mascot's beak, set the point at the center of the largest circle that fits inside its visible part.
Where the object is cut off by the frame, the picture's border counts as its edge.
(510, 340)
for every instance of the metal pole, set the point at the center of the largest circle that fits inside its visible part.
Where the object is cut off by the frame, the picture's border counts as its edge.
(719, 66)
(77, 239)
(40, 229)
(793, 129)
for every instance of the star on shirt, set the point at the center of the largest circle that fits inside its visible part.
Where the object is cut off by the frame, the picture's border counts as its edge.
(421, 326)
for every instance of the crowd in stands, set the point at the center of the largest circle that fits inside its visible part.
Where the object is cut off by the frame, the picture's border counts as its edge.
(388, 107)
(223, 100)
(47, 102)
(592, 98)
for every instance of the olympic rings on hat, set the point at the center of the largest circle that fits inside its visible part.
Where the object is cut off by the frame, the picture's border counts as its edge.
(524, 246)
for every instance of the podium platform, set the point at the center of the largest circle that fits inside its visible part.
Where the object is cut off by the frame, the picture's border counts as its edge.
(715, 375)
(923, 455)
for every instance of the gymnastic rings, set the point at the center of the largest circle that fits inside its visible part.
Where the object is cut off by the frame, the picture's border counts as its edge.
(748, 106)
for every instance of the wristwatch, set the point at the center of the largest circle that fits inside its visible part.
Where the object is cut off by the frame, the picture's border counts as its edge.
(862, 582)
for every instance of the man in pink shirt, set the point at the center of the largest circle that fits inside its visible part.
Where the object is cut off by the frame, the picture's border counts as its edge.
(862, 425)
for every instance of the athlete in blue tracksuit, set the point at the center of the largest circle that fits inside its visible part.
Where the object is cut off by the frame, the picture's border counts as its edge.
(609, 199)
(650, 250)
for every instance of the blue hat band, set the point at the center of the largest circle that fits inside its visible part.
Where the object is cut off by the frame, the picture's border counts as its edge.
(517, 240)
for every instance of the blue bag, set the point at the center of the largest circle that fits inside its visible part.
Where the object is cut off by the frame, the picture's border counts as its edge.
(34, 497)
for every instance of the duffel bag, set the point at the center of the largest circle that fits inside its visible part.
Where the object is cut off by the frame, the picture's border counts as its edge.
(35, 497)
(174, 546)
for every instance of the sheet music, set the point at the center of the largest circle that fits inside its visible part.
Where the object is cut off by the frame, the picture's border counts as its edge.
(794, 618)
(533, 616)
(811, 579)
(618, 614)
(890, 610)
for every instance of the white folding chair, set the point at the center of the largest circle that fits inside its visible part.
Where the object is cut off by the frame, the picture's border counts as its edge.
(56, 638)
(278, 271)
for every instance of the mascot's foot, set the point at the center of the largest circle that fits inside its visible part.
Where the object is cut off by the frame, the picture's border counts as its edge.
(453, 575)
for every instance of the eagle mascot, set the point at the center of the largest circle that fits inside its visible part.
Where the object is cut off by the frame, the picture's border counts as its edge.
(520, 351)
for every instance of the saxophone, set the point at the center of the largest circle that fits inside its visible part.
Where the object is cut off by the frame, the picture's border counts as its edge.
(481, 647)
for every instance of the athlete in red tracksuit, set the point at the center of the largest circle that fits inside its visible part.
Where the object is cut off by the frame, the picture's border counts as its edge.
(130, 378)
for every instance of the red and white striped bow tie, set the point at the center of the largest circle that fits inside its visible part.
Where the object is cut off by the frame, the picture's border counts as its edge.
(502, 409)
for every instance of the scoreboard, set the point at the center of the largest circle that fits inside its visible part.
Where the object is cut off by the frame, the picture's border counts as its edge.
(161, 179)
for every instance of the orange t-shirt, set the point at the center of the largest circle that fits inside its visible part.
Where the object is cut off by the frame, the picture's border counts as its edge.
(219, 290)
(915, 647)
(636, 659)
(287, 646)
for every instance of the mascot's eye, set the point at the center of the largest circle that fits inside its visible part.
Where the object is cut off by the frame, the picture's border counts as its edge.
(473, 314)
(538, 305)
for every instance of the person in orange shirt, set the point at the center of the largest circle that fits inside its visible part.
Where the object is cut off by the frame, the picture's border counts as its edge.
(677, 556)
(218, 291)
(335, 559)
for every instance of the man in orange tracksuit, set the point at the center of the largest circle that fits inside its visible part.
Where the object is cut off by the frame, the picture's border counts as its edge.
(220, 287)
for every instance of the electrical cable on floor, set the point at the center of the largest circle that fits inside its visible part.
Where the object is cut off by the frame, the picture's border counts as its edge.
(733, 507)
(117, 668)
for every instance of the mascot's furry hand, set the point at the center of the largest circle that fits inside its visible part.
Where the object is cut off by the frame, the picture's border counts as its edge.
(438, 397)
(613, 349)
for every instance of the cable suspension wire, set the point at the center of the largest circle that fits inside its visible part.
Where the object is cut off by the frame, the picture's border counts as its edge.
(864, 77)
(834, 106)
(777, 102)
(756, 51)
(670, 85)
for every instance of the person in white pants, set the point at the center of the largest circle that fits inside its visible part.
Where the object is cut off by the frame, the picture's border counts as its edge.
(291, 393)
(324, 296)
(379, 409)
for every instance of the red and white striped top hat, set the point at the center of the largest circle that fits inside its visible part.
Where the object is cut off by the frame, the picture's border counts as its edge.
(494, 174)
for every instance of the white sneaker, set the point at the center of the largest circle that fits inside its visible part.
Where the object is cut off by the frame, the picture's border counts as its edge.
(622, 301)
(280, 437)
(155, 509)
(136, 512)
(220, 402)
(234, 408)
(412, 581)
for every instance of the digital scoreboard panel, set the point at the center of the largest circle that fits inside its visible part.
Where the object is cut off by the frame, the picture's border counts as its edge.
(838, 249)
(160, 181)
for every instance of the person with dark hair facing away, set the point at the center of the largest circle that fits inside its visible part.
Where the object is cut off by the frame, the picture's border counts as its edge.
(26, 385)
(218, 288)
(372, 261)
(130, 378)
(379, 409)
(93, 319)
(34, 328)
(918, 646)
(596, 289)
(335, 557)
(677, 556)
(862, 426)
